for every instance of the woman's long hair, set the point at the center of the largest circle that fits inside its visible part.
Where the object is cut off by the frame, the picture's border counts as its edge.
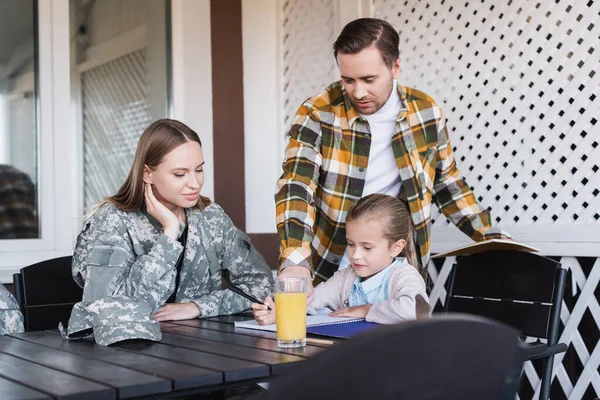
(159, 139)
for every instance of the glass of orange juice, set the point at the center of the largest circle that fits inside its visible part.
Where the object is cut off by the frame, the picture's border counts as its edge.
(290, 311)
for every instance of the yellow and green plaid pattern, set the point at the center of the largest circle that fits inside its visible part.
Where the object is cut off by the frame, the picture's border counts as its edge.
(324, 174)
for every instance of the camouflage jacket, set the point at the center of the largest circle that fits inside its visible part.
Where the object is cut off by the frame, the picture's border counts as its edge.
(127, 268)
(11, 319)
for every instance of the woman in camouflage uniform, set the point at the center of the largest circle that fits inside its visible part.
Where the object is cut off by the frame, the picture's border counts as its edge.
(156, 250)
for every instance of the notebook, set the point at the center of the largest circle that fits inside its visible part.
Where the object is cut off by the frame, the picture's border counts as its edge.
(341, 327)
(343, 330)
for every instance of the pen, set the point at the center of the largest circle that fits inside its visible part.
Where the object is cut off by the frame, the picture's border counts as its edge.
(319, 341)
(239, 291)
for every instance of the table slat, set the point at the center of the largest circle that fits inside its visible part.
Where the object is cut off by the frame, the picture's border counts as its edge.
(229, 327)
(58, 384)
(243, 337)
(230, 319)
(278, 362)
(232, 368)
(10, 390)
(128, 382)
(183, 376)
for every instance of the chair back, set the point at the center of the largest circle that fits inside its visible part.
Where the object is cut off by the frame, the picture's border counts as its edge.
(46, 293)
(444, 357)
(520, 289)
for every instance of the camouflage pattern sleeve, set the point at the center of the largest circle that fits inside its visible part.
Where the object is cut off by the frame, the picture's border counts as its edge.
(247, 270)
(11, 319)
(107, 264)
(121, 290)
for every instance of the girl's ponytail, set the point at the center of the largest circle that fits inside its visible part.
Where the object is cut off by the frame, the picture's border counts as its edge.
(409, 250)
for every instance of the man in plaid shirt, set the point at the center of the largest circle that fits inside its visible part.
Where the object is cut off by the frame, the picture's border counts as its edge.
(366, 134)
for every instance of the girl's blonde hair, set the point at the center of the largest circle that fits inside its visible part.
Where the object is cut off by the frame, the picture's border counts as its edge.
(393, 217)
(158, 140)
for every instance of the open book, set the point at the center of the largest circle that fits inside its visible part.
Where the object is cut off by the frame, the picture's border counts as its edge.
(486, 245)
(311, 320)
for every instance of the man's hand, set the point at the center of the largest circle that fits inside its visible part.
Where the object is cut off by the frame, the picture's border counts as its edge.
(353, 312)
(298, 271)
(496, 234)
(177, 311)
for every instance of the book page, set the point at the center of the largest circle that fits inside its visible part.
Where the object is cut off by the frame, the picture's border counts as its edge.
(486, 245)
(311, 320)
(315, 320)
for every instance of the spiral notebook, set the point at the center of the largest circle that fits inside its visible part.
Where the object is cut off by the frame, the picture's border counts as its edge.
(341, 327)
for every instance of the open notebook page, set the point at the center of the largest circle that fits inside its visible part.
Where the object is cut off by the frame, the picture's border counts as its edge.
(311, 320)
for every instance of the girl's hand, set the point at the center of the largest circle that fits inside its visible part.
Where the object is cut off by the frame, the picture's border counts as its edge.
(261, 313)
(177, 311)
(353, 312)
(166, 217)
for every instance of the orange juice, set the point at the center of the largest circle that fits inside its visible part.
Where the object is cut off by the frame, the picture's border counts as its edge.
(290, 310)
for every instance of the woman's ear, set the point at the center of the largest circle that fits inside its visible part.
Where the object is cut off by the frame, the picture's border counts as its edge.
(397, 247)
(147, 174)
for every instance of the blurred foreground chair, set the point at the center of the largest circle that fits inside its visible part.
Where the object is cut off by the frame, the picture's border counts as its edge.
(444, 357)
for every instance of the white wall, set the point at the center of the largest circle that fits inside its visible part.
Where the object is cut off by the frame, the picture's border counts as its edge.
(263, 111)
(265, 99)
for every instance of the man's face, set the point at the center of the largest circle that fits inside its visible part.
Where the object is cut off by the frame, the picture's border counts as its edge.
(368, 80)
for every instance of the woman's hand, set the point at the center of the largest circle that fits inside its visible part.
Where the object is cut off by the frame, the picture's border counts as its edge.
(177, 311)
(353, 312)
(261, 313)
(161, 213)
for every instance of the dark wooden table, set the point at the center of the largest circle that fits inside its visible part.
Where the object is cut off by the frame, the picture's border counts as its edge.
(193, 356)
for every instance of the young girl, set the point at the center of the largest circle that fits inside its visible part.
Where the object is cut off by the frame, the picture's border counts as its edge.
(380, 286)
(155, 251)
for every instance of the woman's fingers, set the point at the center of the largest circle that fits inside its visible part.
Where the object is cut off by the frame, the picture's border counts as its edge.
(260, 313)
(177, 311)
(148, 199)
(265, 319)
(257, 306)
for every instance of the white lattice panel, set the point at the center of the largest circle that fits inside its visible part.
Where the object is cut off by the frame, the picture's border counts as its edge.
(23, 137)
(308, 63)
(517, 81)
(115, 113)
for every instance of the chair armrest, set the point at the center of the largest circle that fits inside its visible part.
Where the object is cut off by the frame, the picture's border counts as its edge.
(540, 350)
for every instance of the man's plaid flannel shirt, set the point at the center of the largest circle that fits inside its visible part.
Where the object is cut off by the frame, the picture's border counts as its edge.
(324, 174)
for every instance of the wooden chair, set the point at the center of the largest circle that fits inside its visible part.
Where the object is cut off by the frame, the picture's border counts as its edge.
(520, 289)
(46, 293)
(439, 358)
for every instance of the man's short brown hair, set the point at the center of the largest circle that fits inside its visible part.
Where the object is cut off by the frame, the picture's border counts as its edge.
(365, 32)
